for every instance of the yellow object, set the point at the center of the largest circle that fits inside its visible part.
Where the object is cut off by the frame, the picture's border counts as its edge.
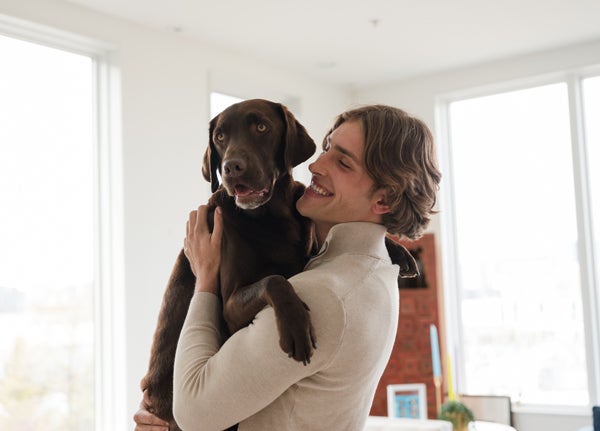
(451, 393)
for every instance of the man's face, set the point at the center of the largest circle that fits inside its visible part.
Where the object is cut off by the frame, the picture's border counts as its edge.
(341, 190)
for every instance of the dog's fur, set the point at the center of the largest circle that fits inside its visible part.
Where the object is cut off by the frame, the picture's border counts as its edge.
(253, 145)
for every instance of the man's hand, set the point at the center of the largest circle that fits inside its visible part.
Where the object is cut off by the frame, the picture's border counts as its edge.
(146, 421)
(203, 249)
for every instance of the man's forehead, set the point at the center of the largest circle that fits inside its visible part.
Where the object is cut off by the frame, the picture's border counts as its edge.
(341, 145)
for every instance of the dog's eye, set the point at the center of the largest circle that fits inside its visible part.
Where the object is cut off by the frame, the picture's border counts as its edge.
(261, 127)
(220, 136)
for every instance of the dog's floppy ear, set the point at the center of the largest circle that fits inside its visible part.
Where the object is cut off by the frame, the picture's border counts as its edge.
(400, 256)
(298, 145)
(211, 160)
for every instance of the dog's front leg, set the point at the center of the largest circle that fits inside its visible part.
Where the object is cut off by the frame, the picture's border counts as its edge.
(158, 382)
(296, 334)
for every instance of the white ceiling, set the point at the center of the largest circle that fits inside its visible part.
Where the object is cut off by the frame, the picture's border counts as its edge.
(361, 42)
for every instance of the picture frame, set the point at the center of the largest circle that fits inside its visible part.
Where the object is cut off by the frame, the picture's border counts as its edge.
(407, 401)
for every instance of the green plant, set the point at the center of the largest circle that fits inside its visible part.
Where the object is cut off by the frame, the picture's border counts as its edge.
(457, 413)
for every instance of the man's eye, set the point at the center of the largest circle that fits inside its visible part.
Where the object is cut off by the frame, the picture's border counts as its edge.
(344, 165)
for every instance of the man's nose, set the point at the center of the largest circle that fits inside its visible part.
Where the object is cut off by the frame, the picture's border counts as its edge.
(317, 167)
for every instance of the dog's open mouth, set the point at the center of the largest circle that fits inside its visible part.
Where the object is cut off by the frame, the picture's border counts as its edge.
(244, 191)
(248, 198)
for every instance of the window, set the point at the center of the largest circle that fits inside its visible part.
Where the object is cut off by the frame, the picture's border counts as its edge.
(219, 102)
(591, 97)
(519, 314)
(50, 375)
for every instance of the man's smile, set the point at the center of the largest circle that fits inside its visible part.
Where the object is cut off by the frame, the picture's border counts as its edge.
(317, 189)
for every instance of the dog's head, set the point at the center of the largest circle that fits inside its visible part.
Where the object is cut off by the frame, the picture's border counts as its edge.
(251, 145)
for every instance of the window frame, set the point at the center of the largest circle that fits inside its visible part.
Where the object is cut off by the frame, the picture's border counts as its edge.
(109, 301)
(590, 288)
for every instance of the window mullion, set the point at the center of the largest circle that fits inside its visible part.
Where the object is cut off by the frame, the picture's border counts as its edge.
(452, 296)
(589, 294)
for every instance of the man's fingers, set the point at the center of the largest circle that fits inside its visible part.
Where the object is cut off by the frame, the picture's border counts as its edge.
(147, 421)
(193, 216)
(217, 233)
(191, 222)
(201, 223)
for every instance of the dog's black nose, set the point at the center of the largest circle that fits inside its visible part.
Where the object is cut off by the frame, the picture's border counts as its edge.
(234, 167)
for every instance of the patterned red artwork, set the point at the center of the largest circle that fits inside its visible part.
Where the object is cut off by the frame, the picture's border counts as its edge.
(410, 361)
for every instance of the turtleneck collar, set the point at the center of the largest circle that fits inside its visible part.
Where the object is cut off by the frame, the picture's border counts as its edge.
(356, 238)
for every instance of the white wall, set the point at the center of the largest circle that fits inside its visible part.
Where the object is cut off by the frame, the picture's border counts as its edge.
(165, 80)
(419, 95)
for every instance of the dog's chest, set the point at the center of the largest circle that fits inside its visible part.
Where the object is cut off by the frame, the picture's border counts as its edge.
(256, 248)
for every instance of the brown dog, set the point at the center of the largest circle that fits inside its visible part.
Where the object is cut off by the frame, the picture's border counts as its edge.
(253, 146)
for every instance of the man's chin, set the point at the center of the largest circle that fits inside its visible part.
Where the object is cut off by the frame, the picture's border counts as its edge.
(307, 207)
(301, 206)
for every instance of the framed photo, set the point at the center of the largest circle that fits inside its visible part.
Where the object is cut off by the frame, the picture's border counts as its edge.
(407, 401)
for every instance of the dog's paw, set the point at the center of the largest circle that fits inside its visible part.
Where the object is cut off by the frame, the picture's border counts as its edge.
(400, 256)
(296, 333)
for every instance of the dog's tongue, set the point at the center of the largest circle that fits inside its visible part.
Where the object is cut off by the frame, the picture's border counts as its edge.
(243, 190)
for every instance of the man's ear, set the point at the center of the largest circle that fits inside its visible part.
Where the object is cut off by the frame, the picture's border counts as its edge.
(379, 202)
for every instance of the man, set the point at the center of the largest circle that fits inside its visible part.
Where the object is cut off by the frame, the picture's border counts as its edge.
(377, 173)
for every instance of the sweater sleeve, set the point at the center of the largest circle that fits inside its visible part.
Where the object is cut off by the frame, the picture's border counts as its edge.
(216, 386)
